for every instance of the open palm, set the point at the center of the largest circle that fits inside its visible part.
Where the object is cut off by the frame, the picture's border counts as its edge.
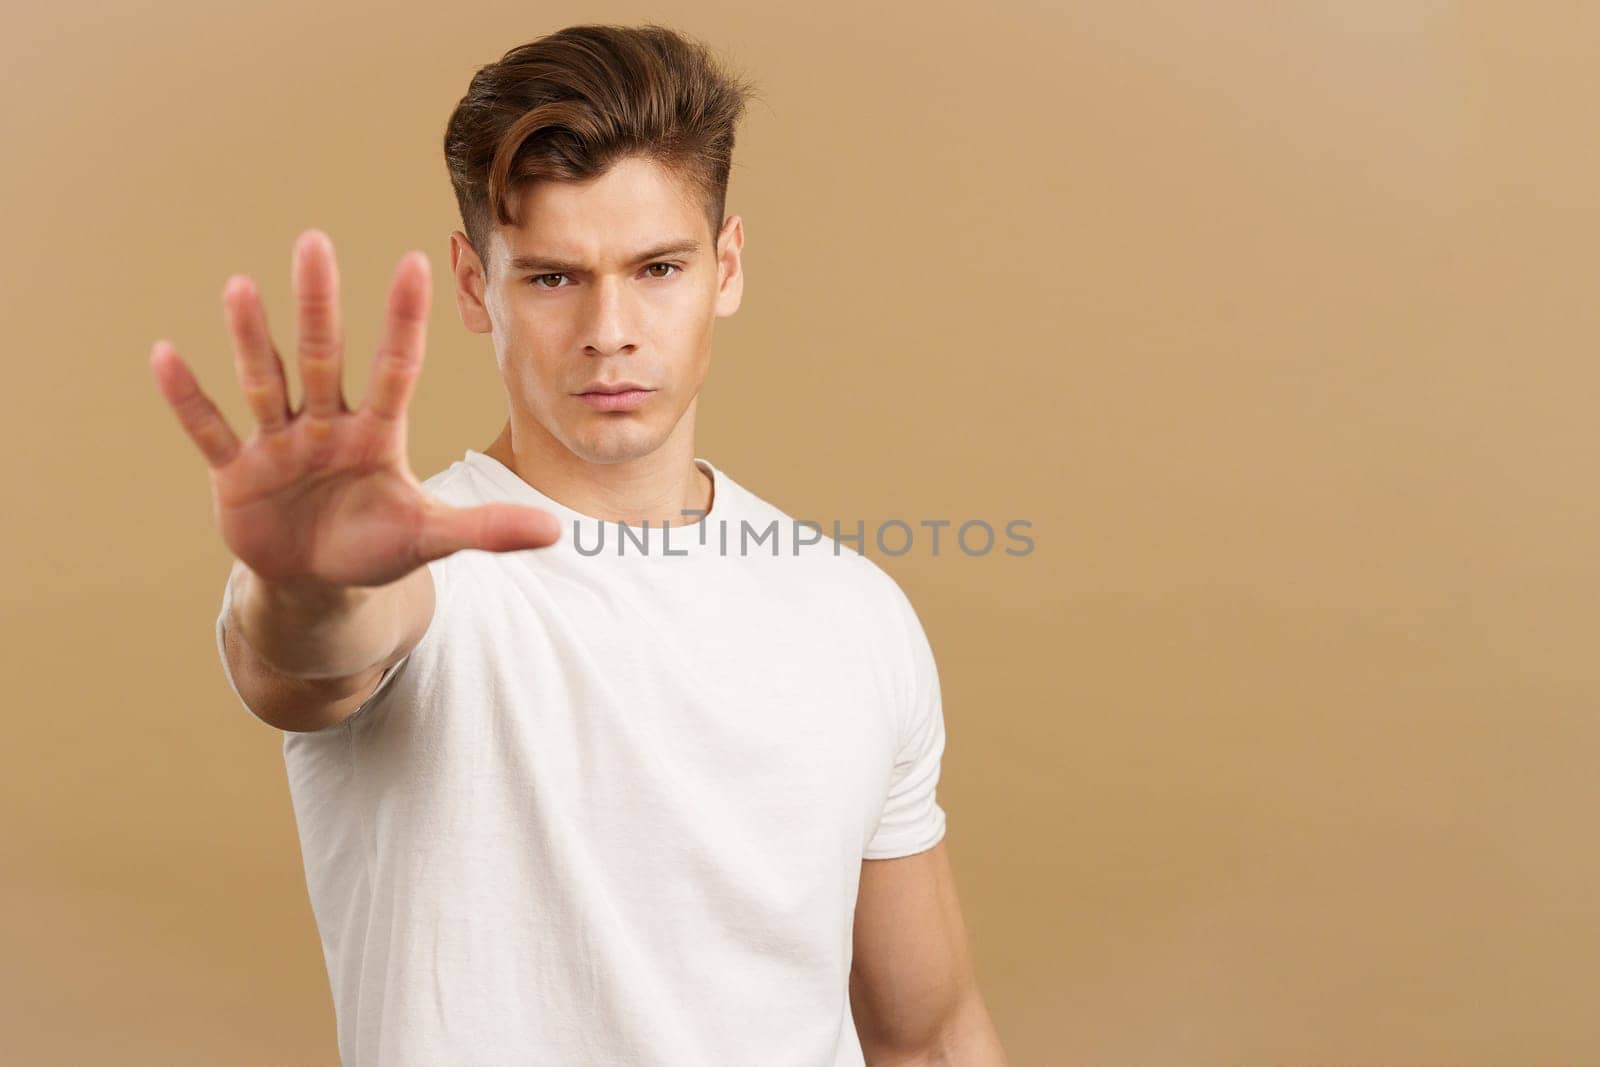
(324, 495)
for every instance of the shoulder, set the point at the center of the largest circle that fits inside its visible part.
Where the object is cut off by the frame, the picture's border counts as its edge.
(455, 484)
(827, 551)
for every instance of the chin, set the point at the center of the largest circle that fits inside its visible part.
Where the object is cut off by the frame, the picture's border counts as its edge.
(612, 439)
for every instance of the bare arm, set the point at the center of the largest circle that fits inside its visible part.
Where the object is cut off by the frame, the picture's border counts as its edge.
(306, 659)
(912, 989)
(330, 529)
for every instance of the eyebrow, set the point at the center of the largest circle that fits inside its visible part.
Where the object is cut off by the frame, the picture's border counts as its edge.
(533, 261)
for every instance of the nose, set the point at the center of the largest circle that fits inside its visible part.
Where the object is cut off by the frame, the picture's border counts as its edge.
(610, 320)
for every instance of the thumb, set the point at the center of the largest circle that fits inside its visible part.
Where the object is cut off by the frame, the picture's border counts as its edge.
(490, 527)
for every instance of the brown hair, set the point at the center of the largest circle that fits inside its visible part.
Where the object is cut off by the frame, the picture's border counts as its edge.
(567, 106)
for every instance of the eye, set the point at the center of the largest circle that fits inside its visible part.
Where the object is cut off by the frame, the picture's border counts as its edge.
(538, 283)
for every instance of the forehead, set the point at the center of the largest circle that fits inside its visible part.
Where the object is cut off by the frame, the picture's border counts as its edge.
(634, 205)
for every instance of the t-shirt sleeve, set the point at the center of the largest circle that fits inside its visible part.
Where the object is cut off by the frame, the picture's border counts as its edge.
(912, 820)
(383, 682)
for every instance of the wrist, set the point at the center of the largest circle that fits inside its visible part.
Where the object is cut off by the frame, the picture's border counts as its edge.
(301, 627)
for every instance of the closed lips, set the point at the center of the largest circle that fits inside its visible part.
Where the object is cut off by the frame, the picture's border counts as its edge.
(610, 387)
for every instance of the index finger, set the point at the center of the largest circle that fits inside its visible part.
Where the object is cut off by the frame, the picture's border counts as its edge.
(399, 359)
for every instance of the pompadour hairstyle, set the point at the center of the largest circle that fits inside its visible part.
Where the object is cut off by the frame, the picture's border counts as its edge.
(567, 106)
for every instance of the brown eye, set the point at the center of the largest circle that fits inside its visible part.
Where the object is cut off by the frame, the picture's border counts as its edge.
(669, 266)
(536, 277)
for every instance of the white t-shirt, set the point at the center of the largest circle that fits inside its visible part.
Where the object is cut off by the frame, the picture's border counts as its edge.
(612, 808)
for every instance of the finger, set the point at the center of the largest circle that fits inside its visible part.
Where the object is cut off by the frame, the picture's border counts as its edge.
(490, 527)
(199, 416)
(255, 358)
(316, 287)
(399, 359)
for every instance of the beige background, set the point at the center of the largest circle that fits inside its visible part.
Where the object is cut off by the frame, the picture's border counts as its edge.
(1276, 320)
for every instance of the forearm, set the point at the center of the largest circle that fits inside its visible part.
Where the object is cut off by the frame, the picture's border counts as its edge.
(314, 631)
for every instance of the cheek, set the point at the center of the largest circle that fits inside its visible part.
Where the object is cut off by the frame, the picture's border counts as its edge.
(521, 336)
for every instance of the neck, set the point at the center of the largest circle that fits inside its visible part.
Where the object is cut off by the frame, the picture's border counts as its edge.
(649, 489)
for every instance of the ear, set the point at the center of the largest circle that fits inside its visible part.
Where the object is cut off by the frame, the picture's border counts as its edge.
(730, 270)
(469, 278)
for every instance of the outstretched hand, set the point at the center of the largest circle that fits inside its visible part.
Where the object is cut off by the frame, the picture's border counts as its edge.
(324, 495)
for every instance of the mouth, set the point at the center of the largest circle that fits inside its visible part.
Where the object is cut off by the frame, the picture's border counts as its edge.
(614, 396)
(611, 387)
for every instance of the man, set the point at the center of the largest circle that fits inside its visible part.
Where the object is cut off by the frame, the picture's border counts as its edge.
(668, 800)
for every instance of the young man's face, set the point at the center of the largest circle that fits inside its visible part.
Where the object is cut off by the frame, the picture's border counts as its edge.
(576, 299)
